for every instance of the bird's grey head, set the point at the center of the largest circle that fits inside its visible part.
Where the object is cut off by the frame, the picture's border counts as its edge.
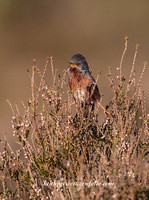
(80, 62)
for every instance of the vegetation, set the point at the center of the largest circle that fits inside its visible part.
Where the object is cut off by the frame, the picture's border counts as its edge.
(65, 157)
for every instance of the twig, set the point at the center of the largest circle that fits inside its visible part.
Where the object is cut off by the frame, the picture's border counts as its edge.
(37, 130)
(10, 106)
(122, 58)
(132, 73)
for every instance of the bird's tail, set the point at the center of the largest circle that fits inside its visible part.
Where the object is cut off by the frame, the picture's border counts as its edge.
(103, 108)
(98, 104)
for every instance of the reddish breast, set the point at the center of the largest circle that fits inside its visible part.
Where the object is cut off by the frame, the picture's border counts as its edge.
(77, 80)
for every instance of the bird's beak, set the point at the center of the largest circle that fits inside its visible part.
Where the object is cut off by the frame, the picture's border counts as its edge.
(73, 65)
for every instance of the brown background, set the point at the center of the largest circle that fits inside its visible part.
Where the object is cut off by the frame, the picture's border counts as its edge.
(60, 28)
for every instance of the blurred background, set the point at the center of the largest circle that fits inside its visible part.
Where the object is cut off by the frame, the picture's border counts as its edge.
(96, 29)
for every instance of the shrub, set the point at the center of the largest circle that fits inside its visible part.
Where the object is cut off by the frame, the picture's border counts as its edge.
(65, 157)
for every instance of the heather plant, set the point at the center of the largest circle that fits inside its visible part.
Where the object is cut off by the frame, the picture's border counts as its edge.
(63, 155)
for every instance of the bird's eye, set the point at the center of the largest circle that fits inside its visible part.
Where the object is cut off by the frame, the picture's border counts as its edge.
(78, 63)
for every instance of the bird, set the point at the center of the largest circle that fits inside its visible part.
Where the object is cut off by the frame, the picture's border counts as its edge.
(81, 81)
(82, 84)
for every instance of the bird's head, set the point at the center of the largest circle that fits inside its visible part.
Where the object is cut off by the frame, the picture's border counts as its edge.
(78, 61)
